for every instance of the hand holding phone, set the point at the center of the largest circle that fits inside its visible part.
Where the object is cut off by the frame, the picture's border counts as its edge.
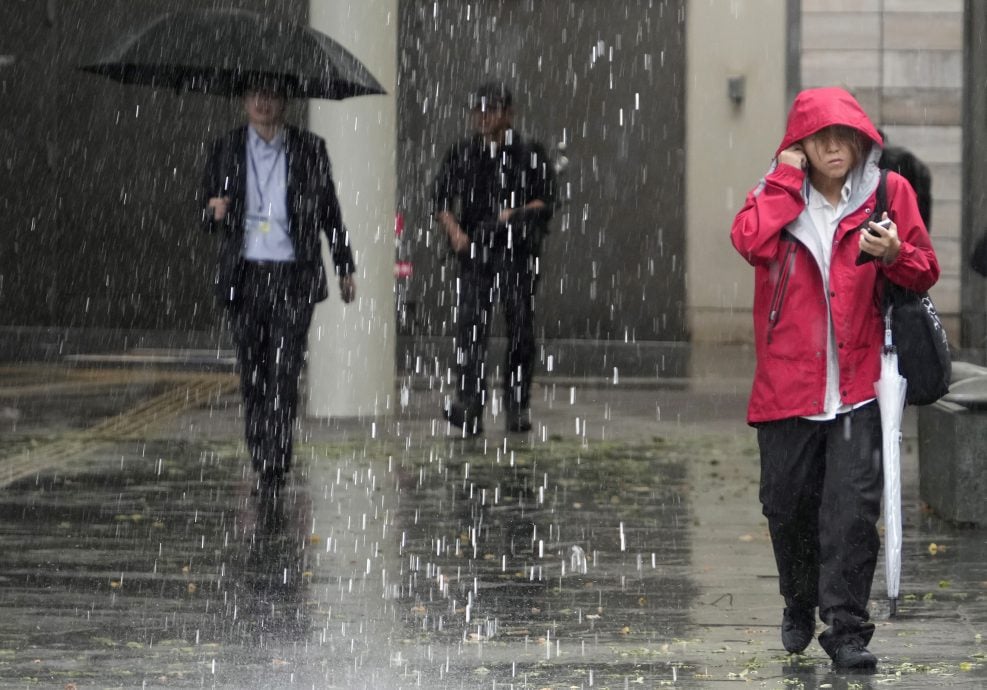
(884, 223)
(863, 257)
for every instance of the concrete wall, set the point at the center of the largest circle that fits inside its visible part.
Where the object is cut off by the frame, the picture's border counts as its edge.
(606, 78)
(728, 149)
(974, 214)
(98, 181)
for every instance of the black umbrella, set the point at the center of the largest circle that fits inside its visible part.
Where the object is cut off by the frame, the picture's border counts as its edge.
(224, 51)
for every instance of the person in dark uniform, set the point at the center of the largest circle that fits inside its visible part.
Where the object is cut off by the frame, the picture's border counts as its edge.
(494, 196)
(268, 190)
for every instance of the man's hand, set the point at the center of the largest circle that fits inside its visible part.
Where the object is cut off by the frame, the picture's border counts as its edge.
(347, 288)
(885, 245)
(504, 217)
(219, 206)
(458, 240)
(793, 156)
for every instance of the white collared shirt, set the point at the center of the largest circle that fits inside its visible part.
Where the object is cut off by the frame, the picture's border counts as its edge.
(826, 219)
(266, 235)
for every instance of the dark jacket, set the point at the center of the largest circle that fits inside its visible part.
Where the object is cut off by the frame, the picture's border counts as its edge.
(475, 186)
(312, 209)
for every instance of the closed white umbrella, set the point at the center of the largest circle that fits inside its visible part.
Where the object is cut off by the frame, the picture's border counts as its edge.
(890, 389)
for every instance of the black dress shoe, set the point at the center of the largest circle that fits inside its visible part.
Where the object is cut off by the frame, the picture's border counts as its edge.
(469, 418)
(854, 655)
(798, 625)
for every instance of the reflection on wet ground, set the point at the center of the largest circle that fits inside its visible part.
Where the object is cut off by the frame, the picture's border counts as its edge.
(630, 556)
(544, 556)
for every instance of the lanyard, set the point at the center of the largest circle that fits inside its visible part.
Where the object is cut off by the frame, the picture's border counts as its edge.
(270, 174)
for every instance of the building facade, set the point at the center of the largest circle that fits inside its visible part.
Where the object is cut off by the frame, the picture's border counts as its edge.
(667, 111)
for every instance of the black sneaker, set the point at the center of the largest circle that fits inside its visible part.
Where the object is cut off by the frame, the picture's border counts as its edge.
(519, 422)
(466, 417)
(798, 626)
(854, 655)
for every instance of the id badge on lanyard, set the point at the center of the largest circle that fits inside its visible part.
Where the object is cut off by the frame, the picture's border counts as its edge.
(257, 222)
(256, 219)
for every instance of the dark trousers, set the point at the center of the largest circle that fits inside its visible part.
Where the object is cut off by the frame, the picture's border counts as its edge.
(270, 329)
(510, 281)
(821, 485)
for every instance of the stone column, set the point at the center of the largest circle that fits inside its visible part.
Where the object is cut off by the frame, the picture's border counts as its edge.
(351, 367)
(973, 288)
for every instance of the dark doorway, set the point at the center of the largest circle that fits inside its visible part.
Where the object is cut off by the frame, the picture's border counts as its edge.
(605, 78)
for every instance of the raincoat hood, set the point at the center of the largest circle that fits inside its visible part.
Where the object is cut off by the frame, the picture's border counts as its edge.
(816, 109)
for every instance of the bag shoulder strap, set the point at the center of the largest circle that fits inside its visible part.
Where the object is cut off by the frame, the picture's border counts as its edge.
(893, 294)
(881, 204)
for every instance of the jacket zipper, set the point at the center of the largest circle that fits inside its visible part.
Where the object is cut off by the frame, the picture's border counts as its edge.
(778, 298)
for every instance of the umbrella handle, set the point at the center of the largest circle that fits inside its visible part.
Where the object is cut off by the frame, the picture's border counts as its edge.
(889, 346)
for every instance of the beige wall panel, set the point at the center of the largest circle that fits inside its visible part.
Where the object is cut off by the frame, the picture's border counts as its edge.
(912, 31)
(912, 68)
(946, 295)
(948, 253)
(870, 100)
(909, 106)
(840, 30)
(931, 144)
(945, 220)
(809, 6)
(721, 326)
(946, 181)
(728, 149)
(849, 68)
(923, 6)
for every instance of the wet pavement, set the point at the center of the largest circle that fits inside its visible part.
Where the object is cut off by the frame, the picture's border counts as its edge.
(618, 545)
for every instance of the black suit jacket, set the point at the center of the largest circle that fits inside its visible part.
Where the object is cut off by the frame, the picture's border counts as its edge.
(312, 209)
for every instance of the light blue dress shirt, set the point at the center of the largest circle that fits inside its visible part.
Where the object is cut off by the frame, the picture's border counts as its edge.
(266, 235)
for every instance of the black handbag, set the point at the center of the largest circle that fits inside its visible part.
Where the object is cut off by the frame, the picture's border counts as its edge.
(917, 333)
(921, 342)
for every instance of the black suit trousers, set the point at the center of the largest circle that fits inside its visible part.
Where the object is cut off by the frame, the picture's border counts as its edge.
(821, 487)
(270, 329)
(509, 279)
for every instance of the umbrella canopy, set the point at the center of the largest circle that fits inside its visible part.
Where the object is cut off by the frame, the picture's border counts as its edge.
(223, 52)
(890, 389)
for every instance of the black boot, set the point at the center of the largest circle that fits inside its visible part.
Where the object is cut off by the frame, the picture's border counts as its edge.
(465, 416)
(798, 626)
(854, 655)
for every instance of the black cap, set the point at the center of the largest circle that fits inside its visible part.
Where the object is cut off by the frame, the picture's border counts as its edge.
(490, 96)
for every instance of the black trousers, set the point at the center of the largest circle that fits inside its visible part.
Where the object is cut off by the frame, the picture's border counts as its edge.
(821, 486)
(509, 279)
(270, 329)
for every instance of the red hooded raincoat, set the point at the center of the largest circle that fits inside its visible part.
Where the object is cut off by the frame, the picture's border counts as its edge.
(793, 305)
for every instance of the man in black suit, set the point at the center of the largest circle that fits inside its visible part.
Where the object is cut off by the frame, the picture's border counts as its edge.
(493, 197)
(268, 189)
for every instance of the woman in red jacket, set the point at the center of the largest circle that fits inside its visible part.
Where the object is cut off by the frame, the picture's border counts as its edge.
(818, 336)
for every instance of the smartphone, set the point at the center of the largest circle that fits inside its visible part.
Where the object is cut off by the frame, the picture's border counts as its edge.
(864, 257)
(886, 223)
